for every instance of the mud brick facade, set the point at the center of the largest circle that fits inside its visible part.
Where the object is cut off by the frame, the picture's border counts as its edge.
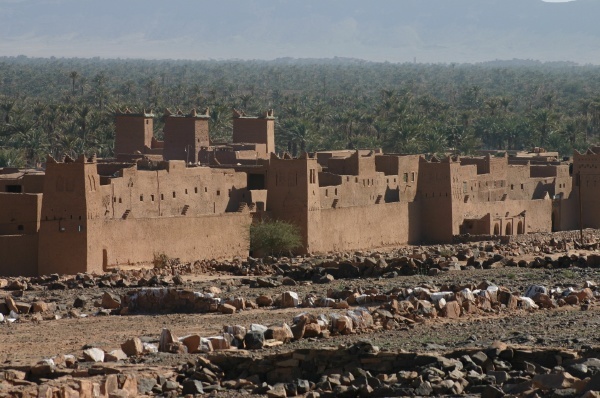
(189, 198)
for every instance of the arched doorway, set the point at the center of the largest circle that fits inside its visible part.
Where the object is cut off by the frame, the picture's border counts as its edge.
(520, 229)
(508, 230)
(496, 229)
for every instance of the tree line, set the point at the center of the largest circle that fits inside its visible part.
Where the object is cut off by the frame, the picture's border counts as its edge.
(66, 106)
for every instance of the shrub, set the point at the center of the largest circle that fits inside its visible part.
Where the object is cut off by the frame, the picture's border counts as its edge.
(161, 260)
(274, 237)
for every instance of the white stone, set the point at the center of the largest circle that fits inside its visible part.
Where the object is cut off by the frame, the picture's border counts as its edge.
(255, 327)
(441, 303)
(150, 348)
(94, 355)
(492, 289)
(528, 303)
(290, 299)
(437, 296)
(468, 294)
(535, 289)
(205, 345)
(13, 316)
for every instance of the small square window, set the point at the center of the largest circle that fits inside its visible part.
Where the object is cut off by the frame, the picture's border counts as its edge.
(174, 194)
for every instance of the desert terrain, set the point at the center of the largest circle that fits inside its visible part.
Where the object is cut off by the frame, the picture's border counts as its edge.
(480, 318)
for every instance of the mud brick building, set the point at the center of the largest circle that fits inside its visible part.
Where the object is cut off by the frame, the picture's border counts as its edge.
(191, 198)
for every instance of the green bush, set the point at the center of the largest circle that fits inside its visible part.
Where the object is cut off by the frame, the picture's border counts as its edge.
(274, 238)
(161, 260)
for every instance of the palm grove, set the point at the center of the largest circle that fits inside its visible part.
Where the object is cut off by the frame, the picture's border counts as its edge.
(66, 106)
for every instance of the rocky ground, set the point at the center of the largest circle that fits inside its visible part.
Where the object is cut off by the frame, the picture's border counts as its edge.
(469, 319)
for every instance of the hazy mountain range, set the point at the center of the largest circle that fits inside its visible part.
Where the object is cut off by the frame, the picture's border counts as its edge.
(382, 30)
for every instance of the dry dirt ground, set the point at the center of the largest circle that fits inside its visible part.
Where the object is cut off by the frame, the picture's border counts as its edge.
(27, 342)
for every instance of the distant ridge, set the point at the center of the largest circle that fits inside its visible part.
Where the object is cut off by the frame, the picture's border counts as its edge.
(351, 30)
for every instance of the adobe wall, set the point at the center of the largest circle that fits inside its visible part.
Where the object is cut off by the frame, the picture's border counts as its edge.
(566, 214)
(62, 237)
(257, 131)
(488, 165)
(22, 181)
(131, 241)
(133, 132)
(356, 164)
(587, 166)
(294, 195)
(537, 217)
(174, 191)
(19, 255)
(380, 179)
(408, 177)
(357, 190)
(435, 194)
(33, 183)
(517, 182)
(184, 136)
(20, 213)
(259, 197)
(367, 227)
(63, 246)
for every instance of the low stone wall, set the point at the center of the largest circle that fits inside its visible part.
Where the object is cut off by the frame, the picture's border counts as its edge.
(312, 364)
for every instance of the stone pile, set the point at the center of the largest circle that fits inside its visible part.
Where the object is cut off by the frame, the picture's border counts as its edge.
(397, 307)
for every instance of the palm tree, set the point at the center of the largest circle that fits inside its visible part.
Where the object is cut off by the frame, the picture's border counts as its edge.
(298, 134)
(543, 122)
(7, 107)
(73, 75)
(245, 99)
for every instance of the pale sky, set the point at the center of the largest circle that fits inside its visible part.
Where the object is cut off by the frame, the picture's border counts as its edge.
(385, 30)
